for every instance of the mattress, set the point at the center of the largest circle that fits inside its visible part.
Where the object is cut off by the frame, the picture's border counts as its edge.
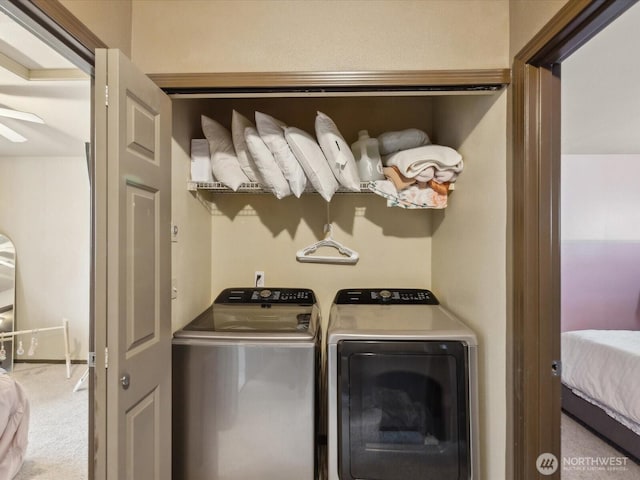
(603, 367)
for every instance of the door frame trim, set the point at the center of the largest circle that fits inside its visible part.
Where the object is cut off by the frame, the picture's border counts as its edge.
(58, 26)
(534, 322)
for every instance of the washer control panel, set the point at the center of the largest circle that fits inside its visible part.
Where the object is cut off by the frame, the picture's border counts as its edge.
(257, 296)
(385, 296)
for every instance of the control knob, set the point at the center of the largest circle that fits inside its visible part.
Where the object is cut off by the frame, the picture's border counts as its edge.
(385, 295)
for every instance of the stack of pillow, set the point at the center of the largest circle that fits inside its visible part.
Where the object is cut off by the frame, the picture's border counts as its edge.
(280, 157)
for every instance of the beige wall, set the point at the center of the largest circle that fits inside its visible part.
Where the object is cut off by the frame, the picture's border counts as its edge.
(110, 20)
(191, 253)
(44, 209)
(468, 253)
(526, 18)
(257, 35)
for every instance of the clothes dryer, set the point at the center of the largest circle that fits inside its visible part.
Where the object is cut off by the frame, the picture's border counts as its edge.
(402, 388)
(245, 381)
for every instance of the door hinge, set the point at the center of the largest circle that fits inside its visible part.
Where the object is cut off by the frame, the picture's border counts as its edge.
(106, 357)
(556, 368)
(106, 95)
(91, 360)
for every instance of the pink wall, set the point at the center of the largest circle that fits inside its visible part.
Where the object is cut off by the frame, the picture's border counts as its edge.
(600, 285)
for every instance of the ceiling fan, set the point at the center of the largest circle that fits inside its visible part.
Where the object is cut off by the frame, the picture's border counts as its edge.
(11, 134)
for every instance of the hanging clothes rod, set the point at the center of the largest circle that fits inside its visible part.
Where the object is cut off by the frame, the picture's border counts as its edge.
(33, 331)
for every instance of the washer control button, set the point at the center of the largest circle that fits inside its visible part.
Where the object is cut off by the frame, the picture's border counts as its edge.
(385, 294)
(265, 293)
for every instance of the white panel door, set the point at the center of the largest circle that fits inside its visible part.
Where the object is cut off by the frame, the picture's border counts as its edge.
(133, 273)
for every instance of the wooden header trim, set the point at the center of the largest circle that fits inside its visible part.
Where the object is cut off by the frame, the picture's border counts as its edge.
(332, 80)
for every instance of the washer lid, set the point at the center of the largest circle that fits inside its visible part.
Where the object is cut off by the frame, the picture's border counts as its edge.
(275, 318)
(257, 314)
(393, 314)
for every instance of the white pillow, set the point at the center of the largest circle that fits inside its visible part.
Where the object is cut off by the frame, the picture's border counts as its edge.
(338, 152)
(224, 163)
(390, 142)
(238, 124)
(272, 176)
(313, 161)
(271, 131)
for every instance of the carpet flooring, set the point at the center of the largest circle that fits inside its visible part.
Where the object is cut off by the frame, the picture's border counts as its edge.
(582, 450)
(58, 427)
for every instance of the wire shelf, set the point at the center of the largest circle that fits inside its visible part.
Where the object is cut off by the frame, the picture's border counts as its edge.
(254, 187)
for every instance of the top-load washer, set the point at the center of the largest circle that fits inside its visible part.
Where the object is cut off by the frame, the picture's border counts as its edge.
(402, 391)
(244, 383)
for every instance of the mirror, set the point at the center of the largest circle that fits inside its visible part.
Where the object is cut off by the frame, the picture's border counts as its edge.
(7, 300)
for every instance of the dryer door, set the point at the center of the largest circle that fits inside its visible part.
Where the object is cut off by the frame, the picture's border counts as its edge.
(403, 410)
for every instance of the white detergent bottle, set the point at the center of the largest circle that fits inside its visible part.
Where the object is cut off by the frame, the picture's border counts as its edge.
(367, 155)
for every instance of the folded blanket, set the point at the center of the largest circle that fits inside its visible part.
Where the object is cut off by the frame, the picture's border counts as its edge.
(14, 425)
(427, 162)
(410, 197)
(398, 179)
(401, 182)
(440, 176)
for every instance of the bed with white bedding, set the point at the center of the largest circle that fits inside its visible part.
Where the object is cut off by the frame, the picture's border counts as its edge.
(601, 383)
(14, 425)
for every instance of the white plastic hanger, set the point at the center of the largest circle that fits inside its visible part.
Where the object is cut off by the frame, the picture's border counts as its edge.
(347, 256)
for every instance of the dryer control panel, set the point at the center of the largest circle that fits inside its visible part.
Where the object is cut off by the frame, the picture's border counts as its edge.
(257, 296)
(385, 296)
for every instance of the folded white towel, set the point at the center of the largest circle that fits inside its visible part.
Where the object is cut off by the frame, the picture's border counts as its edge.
(417, 161)
(200, 161)
(440, 176)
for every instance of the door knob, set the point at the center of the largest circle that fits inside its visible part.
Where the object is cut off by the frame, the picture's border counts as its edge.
(125, 381)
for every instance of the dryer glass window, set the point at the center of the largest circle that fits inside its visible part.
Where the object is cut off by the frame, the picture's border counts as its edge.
(403, 408)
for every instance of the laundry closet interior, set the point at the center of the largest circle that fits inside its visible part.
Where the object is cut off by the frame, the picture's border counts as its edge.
(224, 237)
(458, 252)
